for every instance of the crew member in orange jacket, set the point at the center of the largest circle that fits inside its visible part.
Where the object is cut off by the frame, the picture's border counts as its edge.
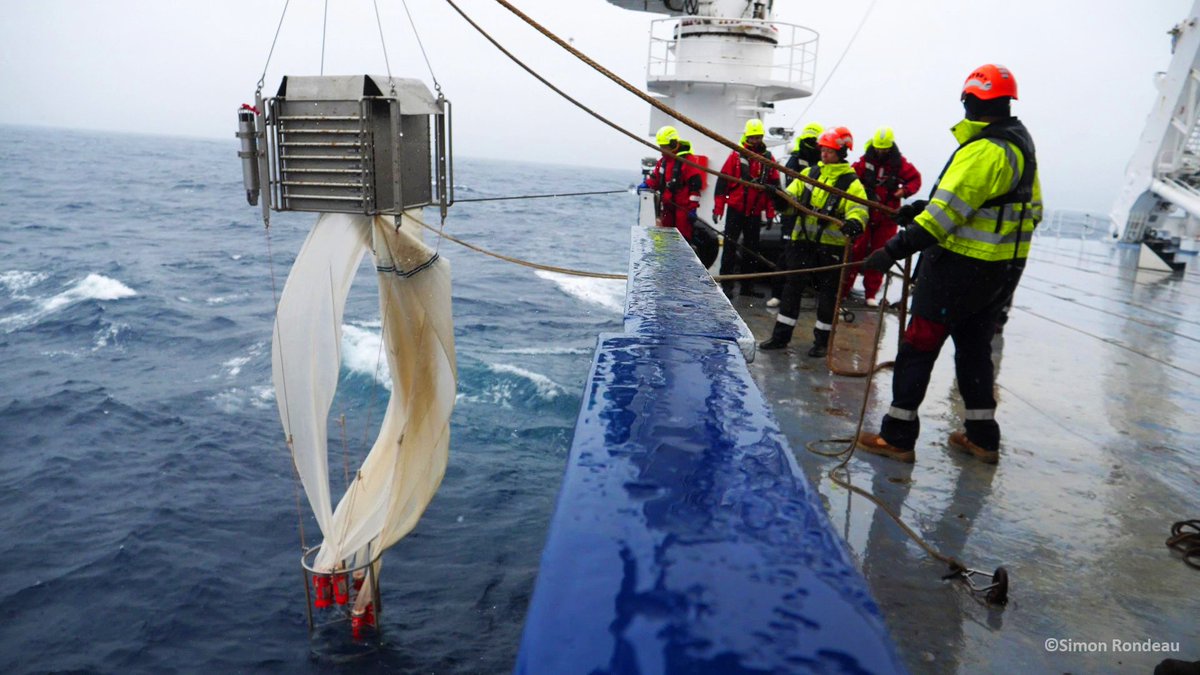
(748, 207)
(889, 178)
(678, 182)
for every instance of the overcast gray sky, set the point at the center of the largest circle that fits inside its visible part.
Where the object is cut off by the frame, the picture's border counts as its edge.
(1085, 71)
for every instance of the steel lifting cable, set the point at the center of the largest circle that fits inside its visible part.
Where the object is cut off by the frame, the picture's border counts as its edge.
(1151, 310)
(603, 275)
(286, 410)
(1132, 279)
(324, 25)
(1109, 341)
(638, 139)
(275, 295)
(387, 63)
(845, 51)
(1116, 314)
(263, 78)
(437, 86)
(687, 120)
(557, 194)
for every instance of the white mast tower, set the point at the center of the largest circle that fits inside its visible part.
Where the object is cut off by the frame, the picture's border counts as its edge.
(721, 63)
(1162, 181)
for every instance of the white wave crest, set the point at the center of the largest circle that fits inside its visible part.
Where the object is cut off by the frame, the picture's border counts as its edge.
(107, 335)
(92, 287)
(234, 366)
(606, 293)
(546, 388)
(235, 400)
(225, 299)
(545, 351)
(19, 281)
(362, 353)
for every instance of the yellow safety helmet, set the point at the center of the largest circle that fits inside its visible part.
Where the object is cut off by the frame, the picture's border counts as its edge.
(754, 128)
(811, 130)
(665, 135)
(883, 138)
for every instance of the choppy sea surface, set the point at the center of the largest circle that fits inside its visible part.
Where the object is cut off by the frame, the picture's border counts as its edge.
(151, 521)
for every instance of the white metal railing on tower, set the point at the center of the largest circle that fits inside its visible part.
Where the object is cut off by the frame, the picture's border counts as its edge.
(791, 65)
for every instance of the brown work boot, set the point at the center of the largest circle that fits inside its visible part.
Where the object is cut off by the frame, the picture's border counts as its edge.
(959, 440)
(874, 444)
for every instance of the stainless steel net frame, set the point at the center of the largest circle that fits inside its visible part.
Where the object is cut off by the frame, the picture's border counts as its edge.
(340, 145)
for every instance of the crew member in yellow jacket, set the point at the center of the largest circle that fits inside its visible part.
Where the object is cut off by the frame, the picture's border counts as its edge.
(818, 242)
(975, 234)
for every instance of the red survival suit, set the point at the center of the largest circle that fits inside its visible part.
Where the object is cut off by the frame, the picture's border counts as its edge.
(679, 184)
(881, 174)
(748, 209)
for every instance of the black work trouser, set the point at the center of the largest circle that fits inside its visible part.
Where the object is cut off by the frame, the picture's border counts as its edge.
(786, 224)
(739, 226)
(804, 254)
(972, 338)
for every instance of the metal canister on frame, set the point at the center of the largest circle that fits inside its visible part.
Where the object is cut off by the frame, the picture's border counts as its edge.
(248, 152)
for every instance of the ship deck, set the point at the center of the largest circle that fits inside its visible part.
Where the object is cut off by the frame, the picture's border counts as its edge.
(1098, 386)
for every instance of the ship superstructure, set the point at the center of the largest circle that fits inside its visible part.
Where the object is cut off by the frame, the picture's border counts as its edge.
(722, 62)
(1161, 196)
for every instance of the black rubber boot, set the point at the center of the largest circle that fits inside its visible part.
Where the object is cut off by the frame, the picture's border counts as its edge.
(820, 345)
(780, 337)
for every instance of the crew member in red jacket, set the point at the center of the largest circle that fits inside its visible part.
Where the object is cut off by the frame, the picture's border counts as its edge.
(748, 207)
(678, 182)
(888, 178)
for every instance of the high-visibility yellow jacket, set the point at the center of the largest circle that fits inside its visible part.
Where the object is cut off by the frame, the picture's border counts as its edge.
(958, 215)
(812, 228)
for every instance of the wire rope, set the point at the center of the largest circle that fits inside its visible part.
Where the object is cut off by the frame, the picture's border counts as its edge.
(845, 51)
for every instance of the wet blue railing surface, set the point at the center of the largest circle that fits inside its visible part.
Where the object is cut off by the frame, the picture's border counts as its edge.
(686, 539)
(670, 293)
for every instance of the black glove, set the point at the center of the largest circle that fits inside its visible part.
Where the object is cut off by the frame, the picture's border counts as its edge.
(852, 229)
(879, 260)
(908, 212)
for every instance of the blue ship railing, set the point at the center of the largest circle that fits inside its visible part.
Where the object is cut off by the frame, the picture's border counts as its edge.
(686, 539)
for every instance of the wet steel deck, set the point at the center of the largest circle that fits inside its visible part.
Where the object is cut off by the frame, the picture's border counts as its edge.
(1098, 385)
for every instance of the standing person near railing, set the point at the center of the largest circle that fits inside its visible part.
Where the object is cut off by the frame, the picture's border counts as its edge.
(889, 178)
(748, 208)
(820, 242)
(975, 236)
(805, 153)
(676, 181)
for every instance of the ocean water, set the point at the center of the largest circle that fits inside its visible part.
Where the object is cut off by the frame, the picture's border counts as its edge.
(151, 522)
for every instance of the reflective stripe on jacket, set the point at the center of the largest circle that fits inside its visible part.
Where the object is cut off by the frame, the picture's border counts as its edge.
(812, 227)
(979, 171)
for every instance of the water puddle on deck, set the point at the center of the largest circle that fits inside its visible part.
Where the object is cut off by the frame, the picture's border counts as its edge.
(1098, 390)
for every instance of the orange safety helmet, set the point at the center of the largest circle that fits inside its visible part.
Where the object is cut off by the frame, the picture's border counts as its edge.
(837, 138)
(990, 81)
